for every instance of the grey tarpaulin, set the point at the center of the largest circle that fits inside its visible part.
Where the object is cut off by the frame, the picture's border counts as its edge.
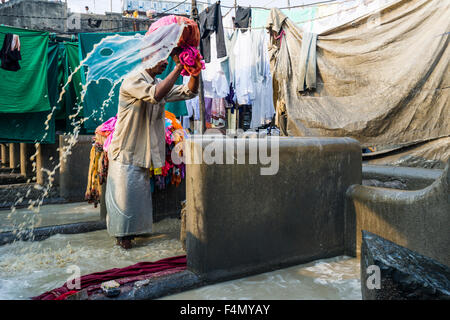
(308, 61)
(432, 154)
(384, 83)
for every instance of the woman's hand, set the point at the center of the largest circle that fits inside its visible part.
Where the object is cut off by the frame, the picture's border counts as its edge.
(175, 55)
(176, 59)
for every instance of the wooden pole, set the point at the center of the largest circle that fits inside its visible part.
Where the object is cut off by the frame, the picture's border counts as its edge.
(201, 94)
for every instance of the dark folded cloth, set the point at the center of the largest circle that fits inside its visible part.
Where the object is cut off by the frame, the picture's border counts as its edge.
(9, 56)
(210, 21)
(242, 19)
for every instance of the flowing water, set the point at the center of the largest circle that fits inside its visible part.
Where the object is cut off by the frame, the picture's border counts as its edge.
(335, 279)
(29, 269)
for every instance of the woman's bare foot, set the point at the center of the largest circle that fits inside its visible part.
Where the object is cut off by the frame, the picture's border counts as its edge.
(124, 242)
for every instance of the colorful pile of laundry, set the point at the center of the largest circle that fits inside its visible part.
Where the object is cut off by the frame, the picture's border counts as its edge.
(171, 173)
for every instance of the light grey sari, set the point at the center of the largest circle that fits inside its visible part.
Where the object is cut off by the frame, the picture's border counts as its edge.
(128, 200)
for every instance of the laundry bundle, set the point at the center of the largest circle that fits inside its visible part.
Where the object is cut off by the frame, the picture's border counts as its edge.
(171, 173)
(98, 160)
(191, 59)
(105, 130)
(189, 40)
(98, 167)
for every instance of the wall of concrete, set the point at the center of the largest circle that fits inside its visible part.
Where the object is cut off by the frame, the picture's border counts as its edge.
(27, 150)
(54, 16)
(14, 156)
(37, 15)
(4, 154)
(418, 220)
(166, 203)
(47, 159)
(405, 178)
(432, 154)
(240, 222)
(109, 22)
(74, 167)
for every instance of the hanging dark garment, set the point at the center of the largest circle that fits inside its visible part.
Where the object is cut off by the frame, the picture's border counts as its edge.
(242, 19)
(245, 116)
(9, 56)
(210, 20)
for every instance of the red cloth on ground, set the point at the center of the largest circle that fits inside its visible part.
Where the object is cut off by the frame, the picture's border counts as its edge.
(65, 295)
(138, 271)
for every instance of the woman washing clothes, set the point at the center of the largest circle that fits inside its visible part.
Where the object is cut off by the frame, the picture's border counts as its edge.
(138, 144)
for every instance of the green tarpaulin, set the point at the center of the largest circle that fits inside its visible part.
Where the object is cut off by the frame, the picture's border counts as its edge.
(97, 105)
(97, 93)
(27, 127)
(72, 62)
(63, 60)
(55, 75)
(72, 95)
(26, 90)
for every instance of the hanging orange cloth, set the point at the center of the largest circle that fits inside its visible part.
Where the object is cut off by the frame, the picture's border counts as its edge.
(93, 189)
(175, 123)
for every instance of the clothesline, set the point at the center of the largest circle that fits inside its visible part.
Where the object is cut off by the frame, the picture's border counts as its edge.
(323, 3)
(227, 13)
(304, 21)
(329, 15)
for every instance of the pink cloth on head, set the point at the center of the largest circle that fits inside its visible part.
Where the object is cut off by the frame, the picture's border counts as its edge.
(165, 21)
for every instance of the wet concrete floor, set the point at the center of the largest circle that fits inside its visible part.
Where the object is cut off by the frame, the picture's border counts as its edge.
(48, 215)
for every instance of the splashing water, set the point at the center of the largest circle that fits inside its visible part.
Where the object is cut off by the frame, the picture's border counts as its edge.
(116, 56)
(111, 59)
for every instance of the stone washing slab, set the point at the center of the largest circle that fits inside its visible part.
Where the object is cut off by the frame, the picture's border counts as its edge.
(405, 274)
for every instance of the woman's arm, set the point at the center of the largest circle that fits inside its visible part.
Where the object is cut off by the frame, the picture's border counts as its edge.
(193, 83)
(166, 85)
